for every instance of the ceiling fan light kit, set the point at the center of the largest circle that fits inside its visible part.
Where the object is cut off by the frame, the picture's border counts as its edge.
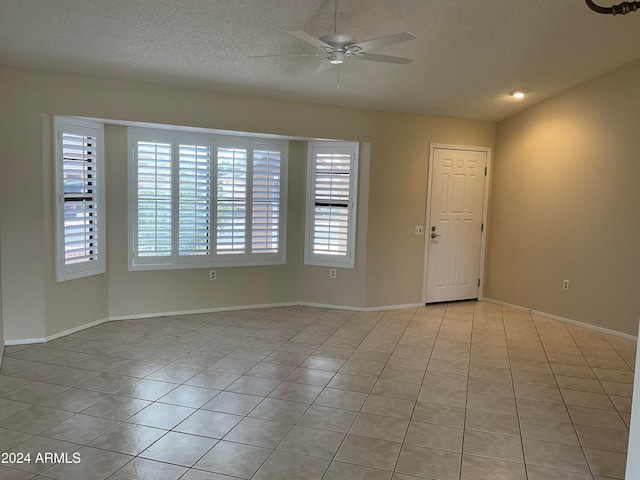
(336, 58)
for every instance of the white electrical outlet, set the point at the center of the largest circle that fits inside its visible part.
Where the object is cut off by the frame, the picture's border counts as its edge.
(419, 230)
(212, 274)
(565, 285)
(332, 273)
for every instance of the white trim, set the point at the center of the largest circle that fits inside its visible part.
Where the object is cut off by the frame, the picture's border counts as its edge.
(393, 307)
(485, 208)
(193, 129)
(23, 341)
(323, 259)
(360, 309)
(97, 266)
(265, 305)
(202, 310)
(563, 319)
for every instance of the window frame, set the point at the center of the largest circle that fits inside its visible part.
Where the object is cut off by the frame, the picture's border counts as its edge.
(96, 266)
(327, 260)
(213, 258)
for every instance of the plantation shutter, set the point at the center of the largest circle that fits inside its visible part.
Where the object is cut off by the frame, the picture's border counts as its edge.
(265, 221)
(80, 206)
(231, 200)
(331, 204)
(194, 200)
(201, 200)
(154, 193)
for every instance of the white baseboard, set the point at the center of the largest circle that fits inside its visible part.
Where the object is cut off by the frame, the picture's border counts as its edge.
(25, 341)
(359, 309)
(563, 319)
(393, 307)
(202, 310)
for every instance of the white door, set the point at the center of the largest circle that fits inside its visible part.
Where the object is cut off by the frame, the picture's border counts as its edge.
(454, 231)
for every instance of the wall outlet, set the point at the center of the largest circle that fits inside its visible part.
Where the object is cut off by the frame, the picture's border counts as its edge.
(419, 230)
(332, 273)
(212, 274)
(565, 285)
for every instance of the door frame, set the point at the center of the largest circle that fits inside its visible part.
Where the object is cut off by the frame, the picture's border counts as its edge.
(485, 207)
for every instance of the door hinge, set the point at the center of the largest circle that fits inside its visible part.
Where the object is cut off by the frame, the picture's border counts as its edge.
(478, 282)
(482, 227)
(485, 171)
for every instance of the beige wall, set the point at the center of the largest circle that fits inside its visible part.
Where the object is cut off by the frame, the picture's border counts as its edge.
(143, 292)
(348, 289)
(397, 199)
(389, 258)
(564, 191)
(564, 205)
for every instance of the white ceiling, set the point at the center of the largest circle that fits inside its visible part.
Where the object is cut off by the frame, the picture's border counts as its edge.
(467, 56)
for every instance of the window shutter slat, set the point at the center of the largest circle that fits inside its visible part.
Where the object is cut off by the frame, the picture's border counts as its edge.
(267, 167)
(79, 198)
(80, 195)
(205, 200)
(231, 200)
(154, 199)
(194, 200)
(332, 169)
(332, 203)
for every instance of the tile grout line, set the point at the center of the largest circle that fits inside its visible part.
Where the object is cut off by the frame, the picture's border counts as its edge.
(515, 399)
(415, 403)
(466, 404)
(573, 425)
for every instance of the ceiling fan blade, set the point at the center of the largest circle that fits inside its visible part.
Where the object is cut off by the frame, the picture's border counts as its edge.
(316, 42)
(384, 41)
(383, 58)
(287, 55)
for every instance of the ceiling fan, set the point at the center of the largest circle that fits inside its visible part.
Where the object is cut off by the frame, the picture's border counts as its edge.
(337, 47)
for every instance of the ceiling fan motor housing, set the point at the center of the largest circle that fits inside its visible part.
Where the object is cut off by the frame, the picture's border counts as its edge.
(338, 40)
(342, 46)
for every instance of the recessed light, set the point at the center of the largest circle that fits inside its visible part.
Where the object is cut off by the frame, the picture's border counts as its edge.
(518, 93)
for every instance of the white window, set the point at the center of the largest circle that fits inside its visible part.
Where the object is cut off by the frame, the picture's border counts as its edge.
(332, 173)
(79, 190)
(205, 200)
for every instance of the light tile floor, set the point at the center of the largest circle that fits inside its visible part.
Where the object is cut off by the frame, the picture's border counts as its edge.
(467, 391)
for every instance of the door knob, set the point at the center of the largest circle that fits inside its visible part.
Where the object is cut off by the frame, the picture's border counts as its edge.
(434, 235)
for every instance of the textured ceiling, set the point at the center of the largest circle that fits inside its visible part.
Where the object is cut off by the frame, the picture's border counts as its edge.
(467, 56)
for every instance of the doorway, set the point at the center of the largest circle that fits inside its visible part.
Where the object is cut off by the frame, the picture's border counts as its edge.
(457, 199)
